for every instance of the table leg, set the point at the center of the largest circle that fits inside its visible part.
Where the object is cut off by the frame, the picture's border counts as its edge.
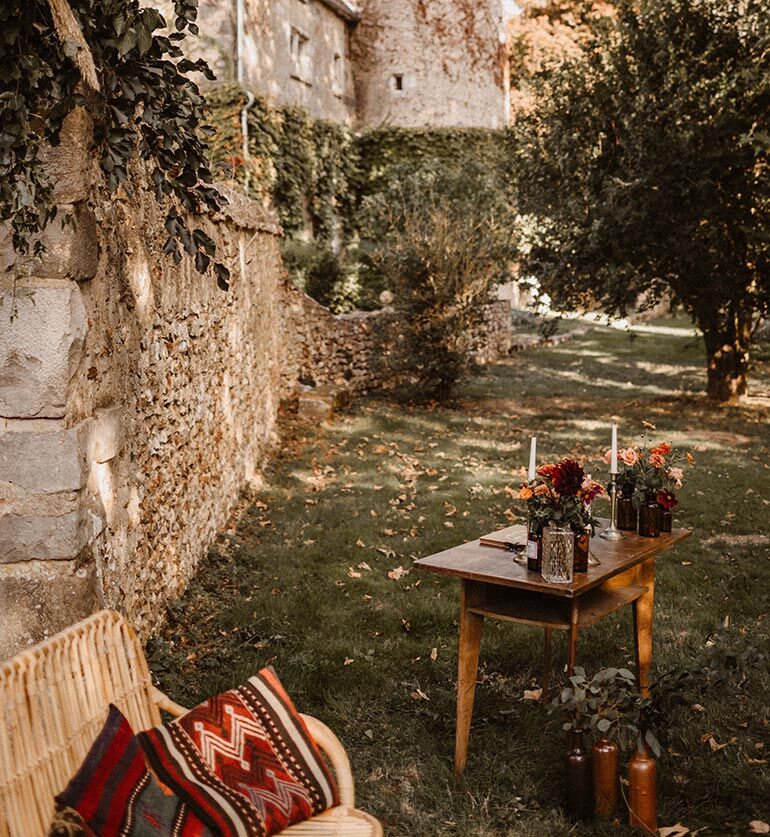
(471, 625)
(643, 609)
(547, 664)
(573, 637)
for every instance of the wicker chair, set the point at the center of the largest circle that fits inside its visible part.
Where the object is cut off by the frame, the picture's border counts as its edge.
(53, 702)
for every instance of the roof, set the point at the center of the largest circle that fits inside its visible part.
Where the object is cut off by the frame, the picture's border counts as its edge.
(345, 9)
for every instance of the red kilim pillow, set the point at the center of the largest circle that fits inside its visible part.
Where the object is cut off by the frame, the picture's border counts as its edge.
(244, 760)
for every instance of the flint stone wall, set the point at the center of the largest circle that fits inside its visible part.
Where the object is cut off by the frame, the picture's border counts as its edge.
(137, 399)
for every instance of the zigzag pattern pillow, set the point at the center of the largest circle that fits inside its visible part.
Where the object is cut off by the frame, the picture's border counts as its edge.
(244, 761)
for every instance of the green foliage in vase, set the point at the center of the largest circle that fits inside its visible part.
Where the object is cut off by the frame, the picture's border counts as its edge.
(443, 242)
(643, 172)
(146, 106)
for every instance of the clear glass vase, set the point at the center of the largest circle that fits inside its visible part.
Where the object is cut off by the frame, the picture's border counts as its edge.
(558, 554)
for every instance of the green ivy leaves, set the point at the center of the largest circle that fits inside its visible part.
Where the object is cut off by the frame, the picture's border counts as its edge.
(148, 106)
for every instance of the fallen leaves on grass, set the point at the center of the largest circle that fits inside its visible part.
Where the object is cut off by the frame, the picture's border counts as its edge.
(532, 694)
(759, 827)
(418, 694)
(353, 573)
(397, 573)
(708, 738)
(348, 661)
(677, 830)
(434, 654)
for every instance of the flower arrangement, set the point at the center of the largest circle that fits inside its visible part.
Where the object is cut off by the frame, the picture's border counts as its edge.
(650, 469)
(561, 494)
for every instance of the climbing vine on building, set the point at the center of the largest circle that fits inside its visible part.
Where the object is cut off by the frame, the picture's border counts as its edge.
(111, 57)
(303, 167)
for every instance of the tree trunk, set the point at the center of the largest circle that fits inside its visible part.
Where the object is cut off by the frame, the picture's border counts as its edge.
(727, 351)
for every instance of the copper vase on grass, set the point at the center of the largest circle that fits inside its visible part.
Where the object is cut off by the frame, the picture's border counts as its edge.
(579, 778)
(605, 761)
(643, 791)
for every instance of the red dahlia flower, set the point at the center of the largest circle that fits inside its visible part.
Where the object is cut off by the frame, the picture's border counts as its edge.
(667, 500)
(568, 477)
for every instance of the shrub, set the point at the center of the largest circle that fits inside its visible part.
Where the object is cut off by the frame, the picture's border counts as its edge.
(325, 276)
(440, 239)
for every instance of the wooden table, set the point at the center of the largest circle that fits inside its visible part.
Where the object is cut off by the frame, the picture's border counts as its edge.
(493, 584)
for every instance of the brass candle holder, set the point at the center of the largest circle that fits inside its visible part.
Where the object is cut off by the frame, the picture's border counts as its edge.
(612, 533)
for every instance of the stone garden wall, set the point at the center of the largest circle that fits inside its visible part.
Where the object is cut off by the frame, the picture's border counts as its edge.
(137, 399)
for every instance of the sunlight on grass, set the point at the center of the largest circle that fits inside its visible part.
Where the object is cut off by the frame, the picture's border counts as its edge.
(302, 582)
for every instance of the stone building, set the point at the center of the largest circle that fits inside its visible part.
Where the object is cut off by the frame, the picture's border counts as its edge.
(407, 63)
(441, 63)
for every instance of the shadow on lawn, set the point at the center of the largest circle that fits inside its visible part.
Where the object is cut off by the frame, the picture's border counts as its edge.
(301, 581)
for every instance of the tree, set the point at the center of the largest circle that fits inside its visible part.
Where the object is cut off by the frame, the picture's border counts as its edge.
(644, 170)
(441, 239)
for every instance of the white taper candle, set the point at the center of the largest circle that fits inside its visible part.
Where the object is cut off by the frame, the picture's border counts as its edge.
(532, 458)
(614, 459)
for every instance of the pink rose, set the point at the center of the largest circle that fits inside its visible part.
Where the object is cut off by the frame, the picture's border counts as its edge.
(628, 456)
(677, 475)
(608, 456)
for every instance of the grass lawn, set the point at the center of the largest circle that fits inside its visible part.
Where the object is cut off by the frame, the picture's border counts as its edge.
(301, 582)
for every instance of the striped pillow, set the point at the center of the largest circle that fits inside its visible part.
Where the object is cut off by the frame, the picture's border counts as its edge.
(115, 795)
(244, 760)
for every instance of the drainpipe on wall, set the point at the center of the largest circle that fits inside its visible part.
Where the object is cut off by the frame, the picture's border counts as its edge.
(239, 44)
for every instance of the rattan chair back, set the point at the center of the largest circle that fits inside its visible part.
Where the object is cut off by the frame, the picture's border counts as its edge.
(53, 702)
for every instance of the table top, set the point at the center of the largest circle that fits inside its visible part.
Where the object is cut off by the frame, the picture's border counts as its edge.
(496, 566)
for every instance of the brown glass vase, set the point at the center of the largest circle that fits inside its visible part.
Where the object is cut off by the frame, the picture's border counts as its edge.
(643, 792)
(580, 555)
(580, 796)
(534, 549)
(666, 520)
(649, 517)
(605, 761)
(627, 515)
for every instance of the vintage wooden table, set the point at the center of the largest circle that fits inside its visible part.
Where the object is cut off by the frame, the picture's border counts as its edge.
(494, 584)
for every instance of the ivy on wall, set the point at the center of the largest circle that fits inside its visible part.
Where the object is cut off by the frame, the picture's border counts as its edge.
(303, 167)
(316, 174)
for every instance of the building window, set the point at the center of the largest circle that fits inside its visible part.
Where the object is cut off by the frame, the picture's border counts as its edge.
(338, 75)
(397, 83)
(299, 46)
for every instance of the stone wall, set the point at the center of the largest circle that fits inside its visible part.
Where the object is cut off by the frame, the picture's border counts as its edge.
(344, 351)
(441, 63)
(136, 400)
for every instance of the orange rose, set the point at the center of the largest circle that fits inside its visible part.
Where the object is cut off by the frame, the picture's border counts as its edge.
(656, 460)
(663, 449)
(541, 489)
(525, 492)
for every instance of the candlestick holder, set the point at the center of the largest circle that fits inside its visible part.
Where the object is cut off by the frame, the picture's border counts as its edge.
(612, 533)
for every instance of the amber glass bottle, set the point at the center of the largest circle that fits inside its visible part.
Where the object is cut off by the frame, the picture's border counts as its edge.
(643, 792)
(534, 547)
(580, 555)
(605, 759)
(649, 517)
(628, 517)
(580, 795)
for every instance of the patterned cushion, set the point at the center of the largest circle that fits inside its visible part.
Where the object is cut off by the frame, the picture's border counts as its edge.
(115, 794)
(244, 760)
